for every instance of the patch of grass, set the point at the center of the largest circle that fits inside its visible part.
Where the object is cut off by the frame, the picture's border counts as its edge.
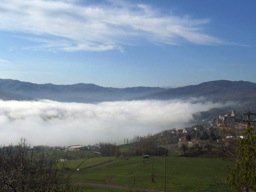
(74, 164)
(96, 161)
(88, 162)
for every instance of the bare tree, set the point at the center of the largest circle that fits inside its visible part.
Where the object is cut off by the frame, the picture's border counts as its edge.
(108, 149)
(24, 170)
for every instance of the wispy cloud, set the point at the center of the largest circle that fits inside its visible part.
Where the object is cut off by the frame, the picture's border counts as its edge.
(54, 123)
(79, 26)
(3, 61)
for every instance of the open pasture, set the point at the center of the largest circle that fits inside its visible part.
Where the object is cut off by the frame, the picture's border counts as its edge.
(135, 173)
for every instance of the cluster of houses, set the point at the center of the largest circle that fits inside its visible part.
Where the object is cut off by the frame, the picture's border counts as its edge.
(94, 148)
(223, 131)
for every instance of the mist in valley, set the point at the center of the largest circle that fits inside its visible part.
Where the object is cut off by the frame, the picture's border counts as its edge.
(52, 123)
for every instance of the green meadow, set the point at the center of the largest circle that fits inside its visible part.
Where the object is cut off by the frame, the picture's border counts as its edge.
(138, 174)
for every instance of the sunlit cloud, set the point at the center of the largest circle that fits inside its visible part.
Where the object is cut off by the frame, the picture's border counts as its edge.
(80, 26)
(55, 123)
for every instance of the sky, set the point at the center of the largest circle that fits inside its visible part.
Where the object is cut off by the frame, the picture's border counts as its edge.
(125, 43)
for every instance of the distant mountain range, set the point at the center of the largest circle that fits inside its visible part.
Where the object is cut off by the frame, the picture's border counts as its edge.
(83, 93)
(241, 92)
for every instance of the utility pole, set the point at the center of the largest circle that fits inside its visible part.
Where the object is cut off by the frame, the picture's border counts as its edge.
(165, 154)
(165, 170)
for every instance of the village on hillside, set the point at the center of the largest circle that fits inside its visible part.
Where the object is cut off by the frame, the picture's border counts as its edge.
(216, 137)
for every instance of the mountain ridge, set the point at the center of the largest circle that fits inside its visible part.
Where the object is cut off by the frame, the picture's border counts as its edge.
(222, 90)
(215, 91)
(80, 92)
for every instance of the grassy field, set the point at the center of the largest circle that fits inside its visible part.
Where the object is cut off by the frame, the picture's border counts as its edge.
(182, 174)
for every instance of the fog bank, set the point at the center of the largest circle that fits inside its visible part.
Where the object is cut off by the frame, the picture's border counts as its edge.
(55, 123)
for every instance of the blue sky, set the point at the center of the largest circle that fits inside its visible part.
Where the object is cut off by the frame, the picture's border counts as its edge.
(124, 43)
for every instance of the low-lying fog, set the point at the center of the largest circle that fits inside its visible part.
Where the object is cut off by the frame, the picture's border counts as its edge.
(55, 123)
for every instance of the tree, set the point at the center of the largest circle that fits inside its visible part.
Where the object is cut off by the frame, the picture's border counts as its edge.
(24, 170)
(188, 137)
(204, 135)
(108, 149)
(242, 176)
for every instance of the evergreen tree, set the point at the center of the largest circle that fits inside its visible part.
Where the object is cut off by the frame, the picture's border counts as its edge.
(242, 176)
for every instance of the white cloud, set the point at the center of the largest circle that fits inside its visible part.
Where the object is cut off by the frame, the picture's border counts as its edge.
(3, 61)
(55, 123)
(73, 25)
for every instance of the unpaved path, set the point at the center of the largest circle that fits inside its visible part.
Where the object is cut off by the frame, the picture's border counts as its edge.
(116, 187)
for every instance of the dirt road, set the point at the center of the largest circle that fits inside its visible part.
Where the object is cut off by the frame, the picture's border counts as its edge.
(128, 188)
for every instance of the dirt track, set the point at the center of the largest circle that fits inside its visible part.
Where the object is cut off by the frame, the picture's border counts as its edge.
(116, 187)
